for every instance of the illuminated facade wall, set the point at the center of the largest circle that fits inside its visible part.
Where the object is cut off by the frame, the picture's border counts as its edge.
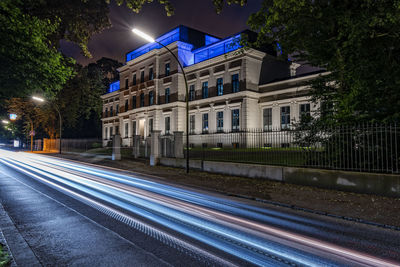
(224, 90)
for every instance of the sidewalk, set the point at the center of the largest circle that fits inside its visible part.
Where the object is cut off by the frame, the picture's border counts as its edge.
(372, 208)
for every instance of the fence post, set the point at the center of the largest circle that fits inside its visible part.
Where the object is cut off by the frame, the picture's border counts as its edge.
(116, 152)
(136, 146)
(178, 145)
(155, 148)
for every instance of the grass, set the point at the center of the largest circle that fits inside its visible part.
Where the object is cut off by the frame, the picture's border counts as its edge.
(4, 258)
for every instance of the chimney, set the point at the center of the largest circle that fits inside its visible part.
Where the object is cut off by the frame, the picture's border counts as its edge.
(293, 69)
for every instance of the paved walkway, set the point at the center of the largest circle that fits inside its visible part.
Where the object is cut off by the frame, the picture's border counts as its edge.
(40, 230)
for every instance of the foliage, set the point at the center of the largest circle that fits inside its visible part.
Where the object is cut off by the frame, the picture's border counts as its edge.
(40, 117)
(4, 257)
(26, 111)
(356, 41)
(108, 69)
(28, 62)
(80, 100)
(219, 4)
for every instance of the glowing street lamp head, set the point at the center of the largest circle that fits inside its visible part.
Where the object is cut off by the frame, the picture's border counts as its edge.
(37, 98)
(5, 121)
(143, 35)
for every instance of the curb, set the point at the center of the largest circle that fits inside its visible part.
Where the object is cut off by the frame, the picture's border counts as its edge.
(20, 251)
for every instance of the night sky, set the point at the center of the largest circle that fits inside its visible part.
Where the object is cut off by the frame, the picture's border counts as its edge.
(199, 14)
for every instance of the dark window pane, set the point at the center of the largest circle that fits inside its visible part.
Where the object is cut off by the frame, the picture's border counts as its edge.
(285, 117)
(220, 86)
(142, 76)
(235, 120)
(267, 119)
(235, 83)
(167, 69)
(167, 95)
(204, 90)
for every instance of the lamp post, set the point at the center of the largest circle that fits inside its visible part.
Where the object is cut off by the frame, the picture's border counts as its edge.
(152, 40)
(39, 99)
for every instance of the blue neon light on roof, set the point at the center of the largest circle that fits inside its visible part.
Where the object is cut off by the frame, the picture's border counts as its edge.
(211, 39)
(165, 39)
(213, 46)
(216, 49)
(113, 87)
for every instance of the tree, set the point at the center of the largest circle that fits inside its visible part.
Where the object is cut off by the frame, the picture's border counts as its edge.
(358, 42)
(80, 100)
(28, 62)
(26, 111)
(108, 69)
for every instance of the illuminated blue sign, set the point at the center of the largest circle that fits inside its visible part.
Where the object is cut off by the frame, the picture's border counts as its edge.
(13, 117)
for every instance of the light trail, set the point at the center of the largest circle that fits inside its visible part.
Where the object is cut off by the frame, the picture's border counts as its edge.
(233, 227)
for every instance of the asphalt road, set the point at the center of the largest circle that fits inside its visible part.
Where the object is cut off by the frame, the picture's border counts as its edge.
(77, 214)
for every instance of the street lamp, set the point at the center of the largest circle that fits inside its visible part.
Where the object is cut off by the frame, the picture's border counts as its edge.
(152, 40)
(39, 99)
(5, 121)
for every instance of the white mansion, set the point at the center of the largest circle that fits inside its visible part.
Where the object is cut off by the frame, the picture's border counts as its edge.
(228, 90)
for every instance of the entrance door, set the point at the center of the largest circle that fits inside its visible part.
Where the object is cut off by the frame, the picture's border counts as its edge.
(141, 127)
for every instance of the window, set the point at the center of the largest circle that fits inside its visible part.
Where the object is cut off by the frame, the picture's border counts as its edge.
(105, 133)
(134, 101)
(304, 111)
(111, 111)
(117, 109)
(111, 131)
(267, 119)
(126, 83)
(151, 98)
(142, 76)
(142, 100)
(220, 86)
(220, 121)
(126, 105)
(167, 69)
(191, 92)
(167, 125)
(235, 120)
(166, 95)
(106, 113)
(192, 124)
(235, 83)
(134, 79)
(204, 90)
(126, 130)
(116, 129)
(133, 128)
(151, 74)
(205, 123)
(150, 126)
(285, 117)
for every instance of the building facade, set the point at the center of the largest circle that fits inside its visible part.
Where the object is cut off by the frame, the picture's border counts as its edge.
(230, 89)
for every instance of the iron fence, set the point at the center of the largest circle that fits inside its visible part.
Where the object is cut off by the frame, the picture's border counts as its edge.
(167, 146)
(363, 148)
(144, 148)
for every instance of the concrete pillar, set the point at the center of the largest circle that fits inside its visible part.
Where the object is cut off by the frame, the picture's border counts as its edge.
(116, 152)
(136, 146)
(155, 148)
(178, 144)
